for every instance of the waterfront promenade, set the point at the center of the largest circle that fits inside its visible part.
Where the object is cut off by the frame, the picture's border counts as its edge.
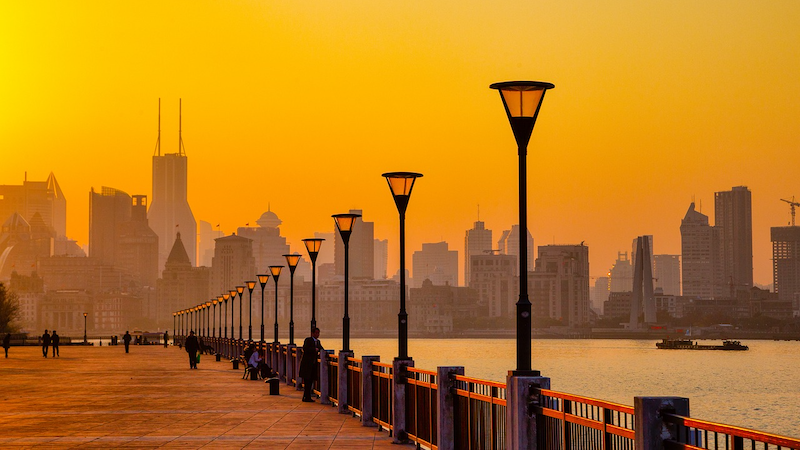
(100, 397)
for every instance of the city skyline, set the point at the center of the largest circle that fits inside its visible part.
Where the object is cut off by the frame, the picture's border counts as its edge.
(654, 87)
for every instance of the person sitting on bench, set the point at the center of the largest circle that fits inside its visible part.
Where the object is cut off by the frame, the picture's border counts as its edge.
(257, 363)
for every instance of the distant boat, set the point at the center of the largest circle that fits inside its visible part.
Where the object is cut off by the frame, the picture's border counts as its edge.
(688, 344)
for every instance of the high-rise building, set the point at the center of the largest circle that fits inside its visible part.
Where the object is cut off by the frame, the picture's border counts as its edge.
(108, 210)
(668, 274)
(621, 274)
(435, 262)
(169, 206)
(43, 197)
(700, 254)
(233, 263)
(478, 241)
(508, 244)
(361, 248)
(138, 245)
(786, 262)
(600, 292)
(268, 244)
(567, 266)
(181, 286)
(495, 279)
(733, 218)
(381, 259)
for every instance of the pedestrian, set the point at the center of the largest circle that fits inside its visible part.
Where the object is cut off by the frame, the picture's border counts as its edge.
(191, 345)
(7, 343)
(126, 340)
(54, 340)
(166, 339)
(308, 365)
(45, 343)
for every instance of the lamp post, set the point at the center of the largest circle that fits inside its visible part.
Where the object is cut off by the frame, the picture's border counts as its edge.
(174, 323)
(239, 290)
(345, 223)
(401, 184)
(312, 246)
(276, 272)
(226, 297)
(208, 319)
(522, 100)
(291, 261)
(262, 280)
(223, 307)
(214, 318)
(250, 286)
(85, 341)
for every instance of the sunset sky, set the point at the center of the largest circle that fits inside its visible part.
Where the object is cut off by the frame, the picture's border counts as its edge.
(302, 106)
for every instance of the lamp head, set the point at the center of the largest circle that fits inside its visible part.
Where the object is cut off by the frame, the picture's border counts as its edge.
(276, 272)
(292, 261)
(250, 285)
(233, 293)
(263, 278)
(345, 223)
(401, 184)
(522, 100)
(312, 246)
(226, 297)
(240, 289)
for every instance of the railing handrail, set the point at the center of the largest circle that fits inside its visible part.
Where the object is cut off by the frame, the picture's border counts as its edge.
(380, 364)
(588, 401)
(479, 381)
(422, 371)
(747, 433)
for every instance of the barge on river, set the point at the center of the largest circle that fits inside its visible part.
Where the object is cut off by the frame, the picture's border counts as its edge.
(688, 344)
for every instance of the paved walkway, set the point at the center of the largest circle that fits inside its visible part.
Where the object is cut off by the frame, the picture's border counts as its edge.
(99, 397)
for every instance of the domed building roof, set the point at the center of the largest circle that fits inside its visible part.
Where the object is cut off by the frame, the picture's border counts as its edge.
(269, 220)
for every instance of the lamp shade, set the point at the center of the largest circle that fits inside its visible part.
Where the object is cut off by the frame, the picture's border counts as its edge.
(250, 285)
(226, 296)
(522, 100)
(240, 289)
(263, 278)
(215, 302)
(401, 184)
(313, 245)
(276, 272)
(345, 222)
(208, 304)
(292, 260)
(233, 293)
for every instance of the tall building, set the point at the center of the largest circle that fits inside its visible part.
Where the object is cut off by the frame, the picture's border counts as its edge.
(478, 241)
(649, 238)
(169, 207)
(508, 244)
(138, 244)
(621, 274)
(700, 254)
(381, 259)
(435, 262)
(362, 249)
(786, 262)
(43, 197)
(600, 292)
(642, 301)
(268, 244)
(22, 244)
(108, 209)
(495, 279)
(733, 218)
(567, 269)
(233, 264)
(668, 274)
(181, 286)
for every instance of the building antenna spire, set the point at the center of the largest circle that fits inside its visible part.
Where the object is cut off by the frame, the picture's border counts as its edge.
(158, 140)
(181, 148)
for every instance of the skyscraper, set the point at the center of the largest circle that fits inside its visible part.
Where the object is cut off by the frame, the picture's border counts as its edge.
(169, 208)
(566, 269)
(668, 274)
(44, 197)
(621, 274)
(700, 253)
(108, 209)
(381, 259)
(508, 244)
(268, 244)
(478, 241)
(786, 262)
(435, 262)
(138, 245)
(733, 218)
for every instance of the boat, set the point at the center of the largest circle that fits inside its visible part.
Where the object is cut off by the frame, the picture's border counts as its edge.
(688, 344)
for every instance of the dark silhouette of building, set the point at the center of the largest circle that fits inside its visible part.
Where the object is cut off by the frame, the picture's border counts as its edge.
(43, 197)
(733, 218)
(181, 285)
(786, 263)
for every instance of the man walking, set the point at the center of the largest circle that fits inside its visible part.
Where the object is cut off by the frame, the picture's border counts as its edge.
(191, 345)
(45, 343)
(126, 340)
(7, 343)
(54, 340)
(308, 364)
(166, 339)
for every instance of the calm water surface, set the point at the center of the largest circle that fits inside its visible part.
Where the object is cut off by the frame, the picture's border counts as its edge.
(758, 389)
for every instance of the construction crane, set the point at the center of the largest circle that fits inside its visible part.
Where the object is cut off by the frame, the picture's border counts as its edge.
(792, 204)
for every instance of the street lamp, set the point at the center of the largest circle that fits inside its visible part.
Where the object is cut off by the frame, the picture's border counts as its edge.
(345, 223)
(226, 297)
(312, 246)
(85, 341)
(174, 323)
(262, 280)
(223, 307)
(522, 100)
(401, 184)
(291, 261)
(214, 318)
(250, 286)
(276, 272)
(208, 319)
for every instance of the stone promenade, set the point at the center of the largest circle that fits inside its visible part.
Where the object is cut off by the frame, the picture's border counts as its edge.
(100, 397)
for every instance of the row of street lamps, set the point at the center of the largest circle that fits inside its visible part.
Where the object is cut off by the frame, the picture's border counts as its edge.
(522, 101)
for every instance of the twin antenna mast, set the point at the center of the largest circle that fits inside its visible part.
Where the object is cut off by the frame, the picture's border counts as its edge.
(181, 147)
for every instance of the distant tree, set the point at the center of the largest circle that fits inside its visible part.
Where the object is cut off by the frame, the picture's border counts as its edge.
(9, 309)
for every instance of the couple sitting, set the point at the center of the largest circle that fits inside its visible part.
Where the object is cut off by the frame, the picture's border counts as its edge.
(257, 363)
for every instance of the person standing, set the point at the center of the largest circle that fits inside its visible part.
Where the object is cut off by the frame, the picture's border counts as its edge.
(308, 364)
(45, 343)
(191, 345)
(126, 340)
(7, 343)
(166, 338)
(54, 341)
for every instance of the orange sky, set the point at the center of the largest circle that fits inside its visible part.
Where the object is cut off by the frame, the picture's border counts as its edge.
(303, 105)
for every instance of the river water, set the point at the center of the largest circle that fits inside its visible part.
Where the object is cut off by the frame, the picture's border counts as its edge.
(758, 388)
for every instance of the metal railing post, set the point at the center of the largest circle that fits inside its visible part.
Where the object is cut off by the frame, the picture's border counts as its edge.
(399, 413)
(368, 402)
(446, 402)
(521, 430)
(291, 369)
(343, 381)
(651, 430)
(324, 377)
